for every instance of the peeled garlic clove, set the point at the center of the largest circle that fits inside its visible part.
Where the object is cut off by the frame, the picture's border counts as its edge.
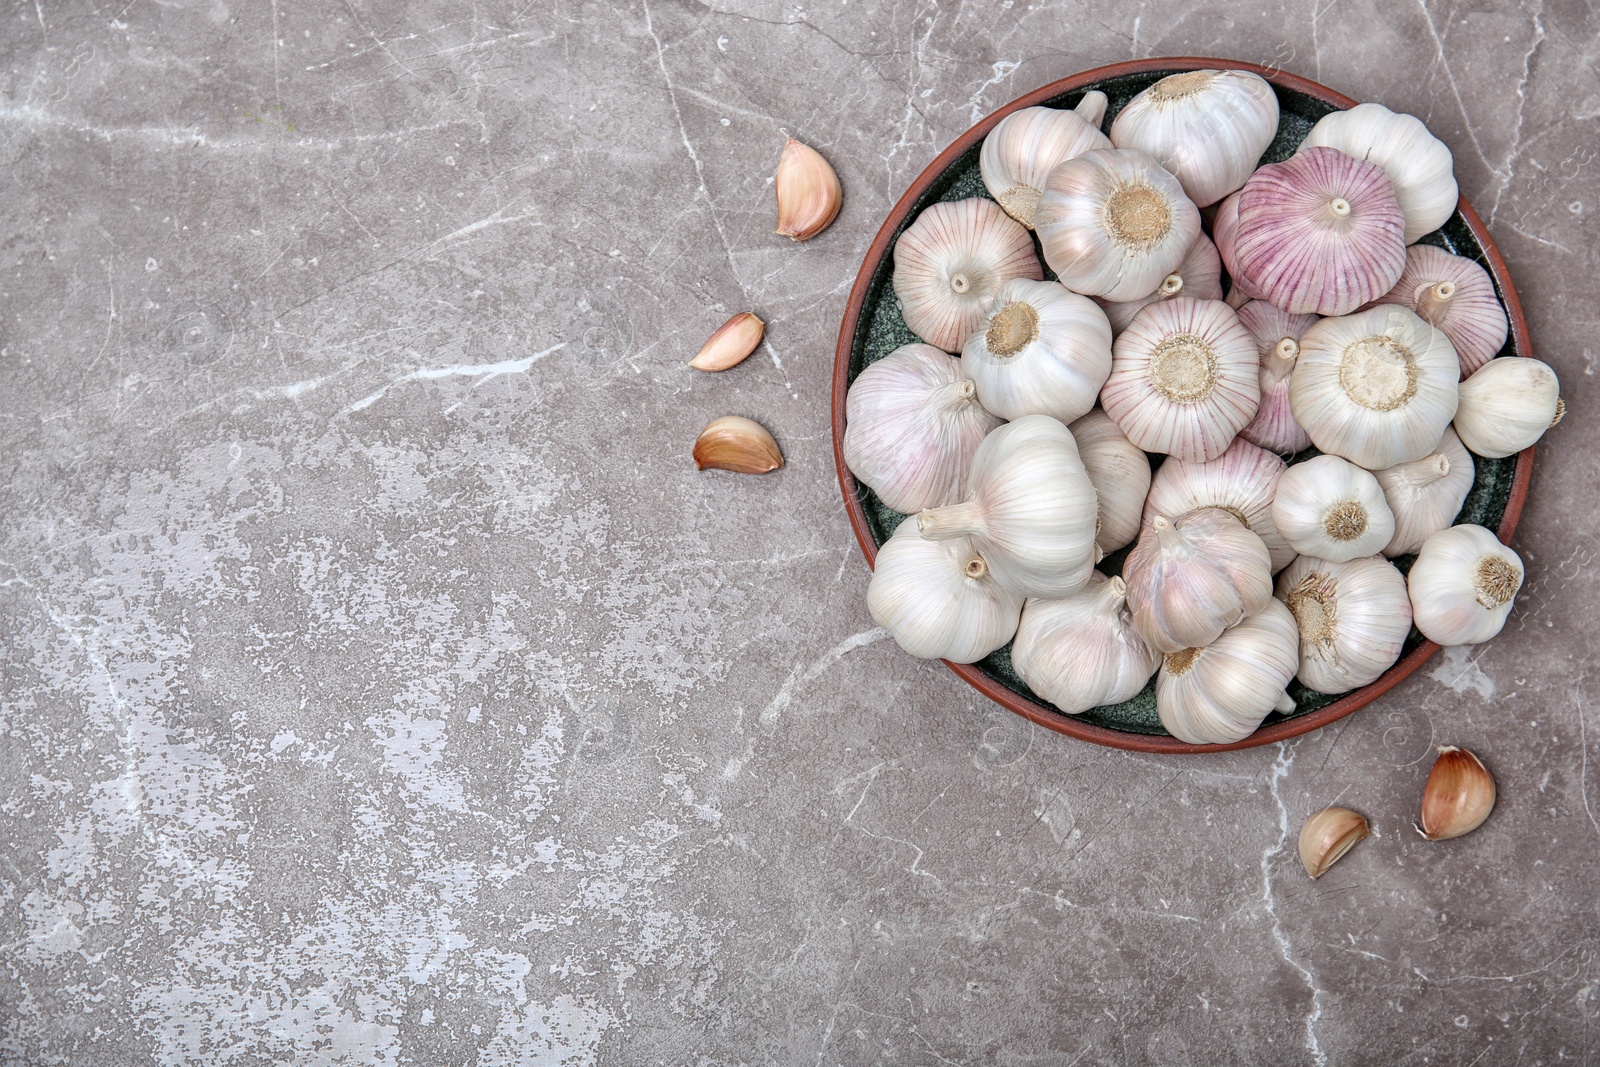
(731, 344)
(1277, 335)
(1183, 378)
(1242, 481)
(1112, 223)
(1120, 473)
(937, 598)
(1507, 405)
(1199, 277)
(950, 263)
(1332, 509)
(1415, 161)
(1327, 836)
(1456, 295)
(737, 444)
(1190, 579)
(1377, 387)
(1208, 127)
(1040, 349)
(1462, 585)
(1426, 494)
(1353, 619)
(1458, 797)
(1030, 509)
(1320, 233)
(1082, 651)
(1224, 233)
(1022, 148)
(809, 195)
(1220, 693)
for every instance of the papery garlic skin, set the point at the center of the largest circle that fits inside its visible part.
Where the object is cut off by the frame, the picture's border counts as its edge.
(1041, 349)
(1219, 694)
(1353, 619)
(1120, 473)
(1463, 585)
(1113, 224)
(1277, 335)
(1082, 651)
(1184, 378)
(912, 426)
(937, 599)
(1377, 387)
(1208, 127)
(1416, 162)
(1198, 277)
(1456, 295)
(1030, 509)
(1020, 151)
(1330, 508)
(951, 261)
(1507, 405)
(1191, 578)
(1426, 495)
(1242, 481)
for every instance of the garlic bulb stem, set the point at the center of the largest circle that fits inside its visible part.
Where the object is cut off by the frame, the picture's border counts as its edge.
(1287, 350)
(1435, 300)
(949, 523)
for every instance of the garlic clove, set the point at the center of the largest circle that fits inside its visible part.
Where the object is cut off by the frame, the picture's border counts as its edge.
(1327, 836)
(731, 344)
(1417, 163)
(1198, 276)
(938, 599)
(1353, 618)
(1507, 405)
(1463, 585)
(809, 195)
(1458, 796)
(1277, 335)
(1082, 651)
(950, 263)
(1192, 578)
(1220, 693)
(1119, 470)
(1020, 151)
(737, 444)
(1426, 495)
(1242, 481)
(1456, 295)
(1041, 349)
(1329, 508)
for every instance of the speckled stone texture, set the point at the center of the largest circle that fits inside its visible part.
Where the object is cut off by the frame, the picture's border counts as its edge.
(383, 685)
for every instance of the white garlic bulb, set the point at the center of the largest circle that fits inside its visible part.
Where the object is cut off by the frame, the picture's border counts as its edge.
(1417, 162)
(1219, 694)
(937, 599)
(1040, 350)
(912, 425)
(1330, 508)
(1463, 585)
(1199, 277)
(1426, 494)
(1020, 151)
(1184, 378)
(1030, 509)
(1112, 223)
(1208, 127)
(1082, 651)
(1353, 619)
(1192, 578)
(1507, 405)
(1377, 387)
(1456, 295)
(951, 261)
(1242, 481)
(1277, 335)
(1120, 473)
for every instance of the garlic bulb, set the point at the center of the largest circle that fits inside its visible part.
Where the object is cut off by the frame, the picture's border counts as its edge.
(1040, 350)
(1320, 232)
(1224, 232)
(951, 261)
(1277, 335)
(1199, 276)
(1462, 585)
(1456, 295)
(1377, 387)
(1183, 378)
(1507, 405)
(1242, 481)
(1426, 494)
(1120, 473)
(1416, 162)
(1190, 579)
(938, 600)
(1030, 509)
(1022, 148)
(912, 425)
(1353, 619)
(1332, 509)
(1208, 127)
(1082, 651)
(1112, 223)
(1220, 693)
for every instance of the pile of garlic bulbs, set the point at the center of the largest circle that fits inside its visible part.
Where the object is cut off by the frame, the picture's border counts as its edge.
(1020, 438)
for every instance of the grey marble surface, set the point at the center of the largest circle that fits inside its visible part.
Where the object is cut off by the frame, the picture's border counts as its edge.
(382, 684)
